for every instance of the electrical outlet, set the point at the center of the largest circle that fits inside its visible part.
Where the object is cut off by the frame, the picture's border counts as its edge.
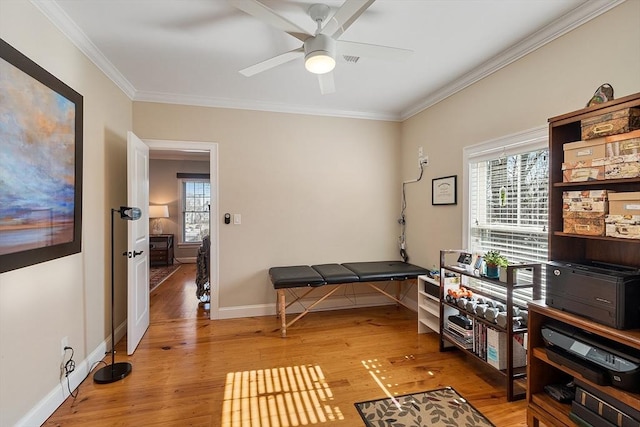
(64, 342)
(422, 159)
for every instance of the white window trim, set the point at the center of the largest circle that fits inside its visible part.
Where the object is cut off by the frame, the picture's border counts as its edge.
(181, 243)
(529, 140)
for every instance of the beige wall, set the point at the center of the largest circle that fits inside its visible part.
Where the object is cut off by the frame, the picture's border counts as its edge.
(555, 79)
(310, 189)
(69, 296)
(164, 190)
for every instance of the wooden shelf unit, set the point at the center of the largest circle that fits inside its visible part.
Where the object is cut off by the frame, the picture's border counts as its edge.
(511, 373)
(568, 247)
(576, 248)
(542, 371)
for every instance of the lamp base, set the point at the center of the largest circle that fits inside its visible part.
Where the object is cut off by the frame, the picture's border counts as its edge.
(112, 373)
(157, 226)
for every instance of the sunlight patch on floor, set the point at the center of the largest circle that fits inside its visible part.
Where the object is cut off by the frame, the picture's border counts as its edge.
(279, 397)
(384, 379)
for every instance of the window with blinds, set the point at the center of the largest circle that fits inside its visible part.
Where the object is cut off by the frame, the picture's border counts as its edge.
(196, 201)
(508, 206)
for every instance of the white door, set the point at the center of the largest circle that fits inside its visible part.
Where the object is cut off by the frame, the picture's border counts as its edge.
(137, 241)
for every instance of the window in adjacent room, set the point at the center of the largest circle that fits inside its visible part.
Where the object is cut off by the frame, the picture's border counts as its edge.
(507, 185)
(195, 207)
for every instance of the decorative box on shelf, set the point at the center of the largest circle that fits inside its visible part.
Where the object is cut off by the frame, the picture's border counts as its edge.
(623, 220)
(611, 157)
(623, 145)
(611, 123)
(583, 160)
(583, 212)
(581, 151)
(587, 170)
(622, 156)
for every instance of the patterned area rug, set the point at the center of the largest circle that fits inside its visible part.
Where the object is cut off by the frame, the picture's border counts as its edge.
(157, 275)
(443, 407)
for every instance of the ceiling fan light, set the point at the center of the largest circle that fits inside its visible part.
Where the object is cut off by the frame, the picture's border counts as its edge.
(319, 62)
(319, 54)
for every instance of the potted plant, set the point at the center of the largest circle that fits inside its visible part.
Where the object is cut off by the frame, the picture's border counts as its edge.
(494, 260)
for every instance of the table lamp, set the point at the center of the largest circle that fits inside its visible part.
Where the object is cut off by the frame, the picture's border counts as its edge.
(157, 212)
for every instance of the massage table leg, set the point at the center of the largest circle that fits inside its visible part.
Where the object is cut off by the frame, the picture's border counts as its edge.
(285, 325)
(282, 312)
(282, 307)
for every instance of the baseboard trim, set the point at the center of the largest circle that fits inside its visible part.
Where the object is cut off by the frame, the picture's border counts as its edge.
(52, 401)
(332, 303)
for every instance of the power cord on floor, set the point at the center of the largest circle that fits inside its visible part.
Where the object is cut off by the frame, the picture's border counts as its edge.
(85, 377)
(70, 366)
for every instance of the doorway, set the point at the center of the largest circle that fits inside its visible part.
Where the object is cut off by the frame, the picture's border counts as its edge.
(174, 300)
(199, 150)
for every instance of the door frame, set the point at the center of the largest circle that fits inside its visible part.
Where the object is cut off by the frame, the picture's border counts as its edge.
(214, 214)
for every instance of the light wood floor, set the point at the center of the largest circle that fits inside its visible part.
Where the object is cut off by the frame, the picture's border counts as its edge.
(189, 370)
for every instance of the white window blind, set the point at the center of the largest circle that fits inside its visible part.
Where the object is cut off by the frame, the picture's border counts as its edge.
(507, 203)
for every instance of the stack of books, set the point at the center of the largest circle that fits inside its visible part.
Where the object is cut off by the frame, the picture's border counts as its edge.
(460, 334)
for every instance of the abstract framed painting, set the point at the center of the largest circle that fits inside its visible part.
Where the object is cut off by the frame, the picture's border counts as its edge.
(40, 163)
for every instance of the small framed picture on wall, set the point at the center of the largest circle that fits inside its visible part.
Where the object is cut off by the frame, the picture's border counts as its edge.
(444, 190)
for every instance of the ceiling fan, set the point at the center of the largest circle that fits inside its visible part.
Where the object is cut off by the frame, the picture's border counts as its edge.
(319, 50)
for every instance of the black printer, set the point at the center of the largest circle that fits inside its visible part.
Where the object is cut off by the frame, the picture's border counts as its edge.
(596, 358)
(605, 293)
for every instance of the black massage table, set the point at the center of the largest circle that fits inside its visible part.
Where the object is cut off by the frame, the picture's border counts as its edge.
(299, 276)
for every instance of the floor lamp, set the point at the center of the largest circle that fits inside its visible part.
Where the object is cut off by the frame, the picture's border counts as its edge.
(115, 371)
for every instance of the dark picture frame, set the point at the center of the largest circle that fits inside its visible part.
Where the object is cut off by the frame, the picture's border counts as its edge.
(41, 166)
(444, 191)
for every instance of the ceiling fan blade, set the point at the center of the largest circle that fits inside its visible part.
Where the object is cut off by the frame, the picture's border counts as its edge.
(327, 84)
(345, 16)
(272, 62)
(268, 16)
(373, 51)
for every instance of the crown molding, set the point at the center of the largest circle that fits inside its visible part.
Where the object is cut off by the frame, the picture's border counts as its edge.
(65, 24)
(203, 101)
(587, 11)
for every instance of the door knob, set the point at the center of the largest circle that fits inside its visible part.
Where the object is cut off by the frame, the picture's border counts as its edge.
(130, 254)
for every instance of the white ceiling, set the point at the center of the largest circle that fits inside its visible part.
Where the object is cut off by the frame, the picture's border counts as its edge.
(190, 51)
